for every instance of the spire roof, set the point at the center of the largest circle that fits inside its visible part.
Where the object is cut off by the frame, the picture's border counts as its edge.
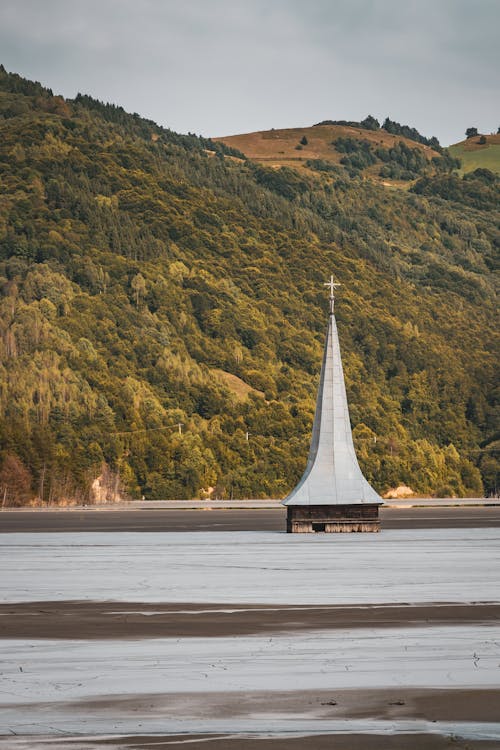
(332, 474)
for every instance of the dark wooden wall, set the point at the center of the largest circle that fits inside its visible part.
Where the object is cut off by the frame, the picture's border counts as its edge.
(332, 518)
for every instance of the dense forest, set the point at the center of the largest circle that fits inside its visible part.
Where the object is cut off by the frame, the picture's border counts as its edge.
(163, 312)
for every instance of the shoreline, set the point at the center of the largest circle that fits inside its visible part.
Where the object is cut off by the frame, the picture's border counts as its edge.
(135, 505)
(173, 519)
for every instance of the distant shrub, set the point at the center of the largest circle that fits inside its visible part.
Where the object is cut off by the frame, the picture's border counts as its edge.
(369, 123)
(284, 181)
(400, 161)
(395, 128)
(320, 165)
(446, 162)
(390, 126)
(480, 188)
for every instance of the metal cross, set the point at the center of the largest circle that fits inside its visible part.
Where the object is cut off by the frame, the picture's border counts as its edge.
(333, 285)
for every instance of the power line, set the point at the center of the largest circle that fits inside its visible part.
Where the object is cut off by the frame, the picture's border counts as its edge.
(178, 426)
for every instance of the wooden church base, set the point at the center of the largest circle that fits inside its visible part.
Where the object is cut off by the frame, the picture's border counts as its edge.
(333, 519)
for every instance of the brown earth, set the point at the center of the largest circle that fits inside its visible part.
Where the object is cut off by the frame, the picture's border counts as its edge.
(84, 619)
(278, 148)
(473, 144)
(315, 742)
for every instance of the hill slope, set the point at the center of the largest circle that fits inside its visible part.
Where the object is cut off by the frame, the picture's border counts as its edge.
(476, 155)
(389, 154)
(298, 147)
(141, 269)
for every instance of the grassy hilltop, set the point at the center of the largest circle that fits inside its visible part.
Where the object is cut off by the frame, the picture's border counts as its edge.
(150, 280)
(326, 147)
(387, 157)
(476, 154)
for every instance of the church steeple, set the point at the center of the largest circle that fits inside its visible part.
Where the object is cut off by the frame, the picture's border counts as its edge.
(333, 285)
(333, 476)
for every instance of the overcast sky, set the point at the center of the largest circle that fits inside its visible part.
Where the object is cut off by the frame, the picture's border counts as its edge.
(218, 67)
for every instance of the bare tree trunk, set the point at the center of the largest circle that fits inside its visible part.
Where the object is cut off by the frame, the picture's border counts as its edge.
(42, 481)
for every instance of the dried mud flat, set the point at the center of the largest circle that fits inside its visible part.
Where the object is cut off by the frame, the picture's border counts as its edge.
(351, 644)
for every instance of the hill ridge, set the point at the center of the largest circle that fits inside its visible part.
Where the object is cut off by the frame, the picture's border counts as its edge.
(337, 146)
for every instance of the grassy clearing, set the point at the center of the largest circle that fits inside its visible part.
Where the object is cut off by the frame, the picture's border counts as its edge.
(236, 385)
(475, 155)
(280, 148)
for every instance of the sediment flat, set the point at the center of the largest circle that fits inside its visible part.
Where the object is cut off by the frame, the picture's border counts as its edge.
(89, 620)
(397, 566)
(398, 703)
(234, 519)
(139, 641)
(399, 718)
(312, 742)
(55, 670)
(398, 741)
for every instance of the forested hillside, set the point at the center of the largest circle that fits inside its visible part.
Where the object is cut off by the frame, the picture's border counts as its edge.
(163, 312)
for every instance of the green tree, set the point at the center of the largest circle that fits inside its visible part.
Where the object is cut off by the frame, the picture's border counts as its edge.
(15, 482)
(138, 285)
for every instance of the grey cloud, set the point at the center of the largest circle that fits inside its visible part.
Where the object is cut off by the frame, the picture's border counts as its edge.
(223, 66)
